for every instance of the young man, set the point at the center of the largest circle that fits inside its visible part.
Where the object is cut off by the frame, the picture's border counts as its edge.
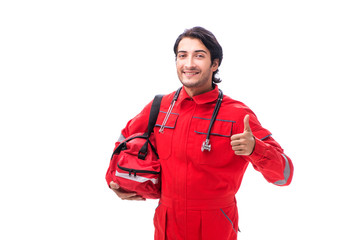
(201, 176)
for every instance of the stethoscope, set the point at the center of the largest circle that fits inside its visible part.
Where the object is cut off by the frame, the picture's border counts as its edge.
(206, 144)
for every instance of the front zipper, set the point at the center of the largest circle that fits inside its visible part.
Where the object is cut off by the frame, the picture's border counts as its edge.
(135, 171)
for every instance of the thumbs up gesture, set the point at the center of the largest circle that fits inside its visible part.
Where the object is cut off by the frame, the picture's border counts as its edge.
(243, 143)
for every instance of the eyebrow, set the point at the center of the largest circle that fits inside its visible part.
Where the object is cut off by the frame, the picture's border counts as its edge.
(197, 51)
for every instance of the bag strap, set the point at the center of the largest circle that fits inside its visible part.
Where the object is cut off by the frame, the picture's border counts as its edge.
(154, 112)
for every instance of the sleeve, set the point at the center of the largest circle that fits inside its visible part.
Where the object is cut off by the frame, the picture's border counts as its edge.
(268, 157)
(138, 124)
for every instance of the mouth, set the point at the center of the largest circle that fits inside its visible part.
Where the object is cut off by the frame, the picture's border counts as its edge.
(190, 73)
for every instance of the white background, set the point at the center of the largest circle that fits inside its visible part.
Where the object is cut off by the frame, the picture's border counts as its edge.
(74, 72)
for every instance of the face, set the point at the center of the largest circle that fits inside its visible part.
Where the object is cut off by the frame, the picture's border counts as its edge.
(194, 67)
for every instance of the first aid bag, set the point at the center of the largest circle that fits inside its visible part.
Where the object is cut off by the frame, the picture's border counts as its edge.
(135, 164)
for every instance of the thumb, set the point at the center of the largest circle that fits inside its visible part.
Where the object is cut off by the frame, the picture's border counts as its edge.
(246, 123)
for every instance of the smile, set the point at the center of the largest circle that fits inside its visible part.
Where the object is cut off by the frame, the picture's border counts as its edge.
(190, 73)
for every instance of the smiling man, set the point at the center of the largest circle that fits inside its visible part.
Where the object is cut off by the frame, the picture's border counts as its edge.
(194, 66)
(205, 141)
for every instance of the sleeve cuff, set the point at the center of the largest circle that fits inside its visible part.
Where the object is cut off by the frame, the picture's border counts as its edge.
(258, 152)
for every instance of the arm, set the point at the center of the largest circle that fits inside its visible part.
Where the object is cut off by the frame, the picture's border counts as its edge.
(269, 159)
(264, 153)
(135, 125)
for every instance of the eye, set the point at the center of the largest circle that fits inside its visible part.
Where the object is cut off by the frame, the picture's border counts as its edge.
(181, 55)
(200, 56)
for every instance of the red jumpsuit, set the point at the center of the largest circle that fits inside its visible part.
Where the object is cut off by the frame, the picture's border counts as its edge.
(198, 188)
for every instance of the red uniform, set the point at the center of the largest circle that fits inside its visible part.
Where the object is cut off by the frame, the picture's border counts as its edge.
(199, 187)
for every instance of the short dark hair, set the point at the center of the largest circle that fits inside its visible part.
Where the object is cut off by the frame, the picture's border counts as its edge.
(210, 42)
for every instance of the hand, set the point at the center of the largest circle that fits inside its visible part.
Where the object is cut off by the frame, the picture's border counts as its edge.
(243, 143)
(124, 195)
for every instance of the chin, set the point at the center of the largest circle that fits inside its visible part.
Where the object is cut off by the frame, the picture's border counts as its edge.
(189, 83)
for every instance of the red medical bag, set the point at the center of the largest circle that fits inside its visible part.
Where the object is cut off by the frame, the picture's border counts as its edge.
(135, 164)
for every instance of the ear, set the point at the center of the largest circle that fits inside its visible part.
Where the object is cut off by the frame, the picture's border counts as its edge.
(215, 65)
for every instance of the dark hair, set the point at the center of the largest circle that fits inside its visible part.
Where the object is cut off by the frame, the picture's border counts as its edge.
(210, 42)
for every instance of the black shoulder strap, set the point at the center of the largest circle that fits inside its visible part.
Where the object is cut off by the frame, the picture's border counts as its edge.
(154, 112)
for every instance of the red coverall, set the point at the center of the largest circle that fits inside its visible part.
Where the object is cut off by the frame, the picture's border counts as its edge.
(198, 188)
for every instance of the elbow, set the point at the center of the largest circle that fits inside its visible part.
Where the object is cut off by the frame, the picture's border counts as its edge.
(287, 174)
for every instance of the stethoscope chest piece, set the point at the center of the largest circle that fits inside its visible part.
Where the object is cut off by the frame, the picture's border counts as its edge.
(206, 145)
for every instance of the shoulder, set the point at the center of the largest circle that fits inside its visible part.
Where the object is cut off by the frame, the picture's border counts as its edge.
(166, 100)
(236, 108)
(168, 97)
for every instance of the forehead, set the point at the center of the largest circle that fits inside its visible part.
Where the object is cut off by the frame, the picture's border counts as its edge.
(191, 45)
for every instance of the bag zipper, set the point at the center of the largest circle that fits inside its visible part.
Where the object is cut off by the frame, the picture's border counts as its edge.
(135, 171)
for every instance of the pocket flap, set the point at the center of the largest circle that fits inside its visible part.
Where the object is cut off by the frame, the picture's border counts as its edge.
(170, 123)
(221, 127)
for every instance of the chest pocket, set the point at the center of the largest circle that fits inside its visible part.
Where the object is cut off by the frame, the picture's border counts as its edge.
(221, 152)
(164, 140)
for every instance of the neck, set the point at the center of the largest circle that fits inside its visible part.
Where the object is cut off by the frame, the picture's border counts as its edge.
(194, 91)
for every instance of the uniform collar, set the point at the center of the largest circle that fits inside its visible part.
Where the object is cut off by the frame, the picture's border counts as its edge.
(203, 98)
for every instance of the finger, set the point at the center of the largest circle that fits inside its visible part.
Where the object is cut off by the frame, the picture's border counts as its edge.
(114, 185)
(135, 198)
(247, 124)
(238, 142)
(240, 152)
(235, 137)
(238, 148)
(234, 143)
(120, 192)
(124, 195)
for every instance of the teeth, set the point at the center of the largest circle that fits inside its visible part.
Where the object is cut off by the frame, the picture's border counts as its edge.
(190, 74)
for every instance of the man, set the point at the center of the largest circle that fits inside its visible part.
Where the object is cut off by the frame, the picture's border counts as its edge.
(199, 183)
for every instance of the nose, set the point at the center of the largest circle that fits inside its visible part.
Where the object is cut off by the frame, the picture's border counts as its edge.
(189, 62)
